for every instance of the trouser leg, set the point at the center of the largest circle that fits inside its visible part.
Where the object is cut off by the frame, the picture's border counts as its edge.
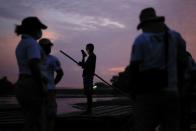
(170, 112)
(51, 111)
(89, 103)
(145, 117)
(33, 117)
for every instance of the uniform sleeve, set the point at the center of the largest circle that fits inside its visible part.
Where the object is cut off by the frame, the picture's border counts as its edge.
(33, 51)
(56, 64)
(136, 53)
(181, 47)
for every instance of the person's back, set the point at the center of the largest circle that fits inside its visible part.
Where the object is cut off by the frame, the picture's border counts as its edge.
(154, 65)
(52, 65)
(26, 43)
(153, 54)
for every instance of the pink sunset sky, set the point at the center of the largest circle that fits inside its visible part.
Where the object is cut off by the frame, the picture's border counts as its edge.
(109, 24)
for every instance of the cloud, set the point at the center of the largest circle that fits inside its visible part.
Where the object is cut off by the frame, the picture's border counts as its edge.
(116, 70)
(108, 22)
(5, 14)
(51, 35)
(13, 10)
(74, 15)
(145, 1)
(77, 21)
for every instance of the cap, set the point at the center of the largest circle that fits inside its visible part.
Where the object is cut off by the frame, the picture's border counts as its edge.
(45, 42)
(33, 22)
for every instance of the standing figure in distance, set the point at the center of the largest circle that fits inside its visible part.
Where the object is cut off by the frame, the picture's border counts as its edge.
(51, 66)
(88, 74)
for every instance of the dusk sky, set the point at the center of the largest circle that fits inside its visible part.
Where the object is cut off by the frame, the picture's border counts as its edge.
(109, 24)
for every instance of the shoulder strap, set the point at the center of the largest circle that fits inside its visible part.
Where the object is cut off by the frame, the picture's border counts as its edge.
(166, 45)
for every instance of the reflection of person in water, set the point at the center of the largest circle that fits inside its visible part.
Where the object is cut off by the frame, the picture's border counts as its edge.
(88, 74)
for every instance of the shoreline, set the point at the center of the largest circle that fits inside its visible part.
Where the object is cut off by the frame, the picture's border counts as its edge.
(74, 93)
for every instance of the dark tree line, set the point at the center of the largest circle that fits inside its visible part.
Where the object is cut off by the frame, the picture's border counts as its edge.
(6, 87)
(122, 81)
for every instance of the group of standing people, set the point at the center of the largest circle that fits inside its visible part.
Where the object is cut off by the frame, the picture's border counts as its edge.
(37, 79)
(159, 70)
(39, 72)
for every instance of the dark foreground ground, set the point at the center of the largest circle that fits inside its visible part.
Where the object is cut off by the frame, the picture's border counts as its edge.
(107, 115)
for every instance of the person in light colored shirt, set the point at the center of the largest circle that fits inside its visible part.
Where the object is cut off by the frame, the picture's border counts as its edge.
(31, 84)
(54, 73)
(155, 69)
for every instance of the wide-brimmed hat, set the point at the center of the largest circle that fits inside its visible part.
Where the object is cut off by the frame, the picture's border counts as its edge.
(149, 15)
(45, 42)
(33, 22)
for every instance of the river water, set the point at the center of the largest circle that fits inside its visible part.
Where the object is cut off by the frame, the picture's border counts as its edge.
(65, 105)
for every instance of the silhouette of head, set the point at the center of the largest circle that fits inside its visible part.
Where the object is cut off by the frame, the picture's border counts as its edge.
(46, 45)
(148, 15)
(31, 26)
(89, 48)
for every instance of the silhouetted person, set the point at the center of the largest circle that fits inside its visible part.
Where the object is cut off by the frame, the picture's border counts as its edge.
(88, 74)
(154, 67)
(31, 84)
(188, 87)
(54, 74)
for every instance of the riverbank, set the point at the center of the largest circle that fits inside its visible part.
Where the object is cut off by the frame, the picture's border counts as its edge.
(80, 92)
(69, 92)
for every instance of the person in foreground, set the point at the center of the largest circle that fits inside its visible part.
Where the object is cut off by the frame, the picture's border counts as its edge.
(31, 84)
(158, 59)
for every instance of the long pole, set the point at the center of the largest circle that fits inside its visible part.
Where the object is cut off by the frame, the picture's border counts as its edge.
(94, 74)
(68, 56)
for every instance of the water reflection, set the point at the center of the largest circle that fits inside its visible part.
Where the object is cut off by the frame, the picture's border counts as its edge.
(65, 105)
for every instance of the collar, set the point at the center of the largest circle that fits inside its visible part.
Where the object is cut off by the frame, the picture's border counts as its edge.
(25, 36)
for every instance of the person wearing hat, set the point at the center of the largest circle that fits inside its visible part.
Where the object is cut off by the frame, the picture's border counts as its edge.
(154, 68)
(31, 84)
(54, 74)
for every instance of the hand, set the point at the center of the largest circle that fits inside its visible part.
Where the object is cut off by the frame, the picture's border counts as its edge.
(80, 63)
(83, 53)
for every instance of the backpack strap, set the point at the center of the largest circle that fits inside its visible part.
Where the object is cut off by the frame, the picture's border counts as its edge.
(166, 51)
